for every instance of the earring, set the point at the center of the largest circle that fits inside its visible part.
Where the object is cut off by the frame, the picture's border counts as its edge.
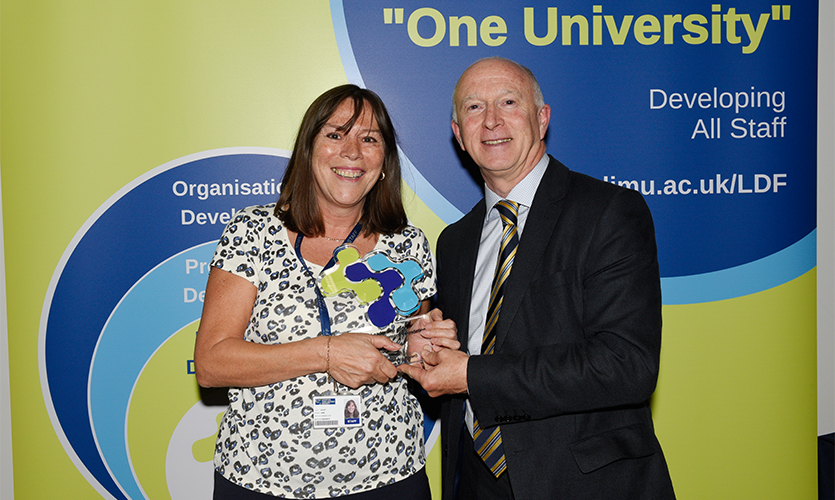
(383, 176)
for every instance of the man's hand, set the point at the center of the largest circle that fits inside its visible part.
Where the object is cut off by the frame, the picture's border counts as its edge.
(444, 371)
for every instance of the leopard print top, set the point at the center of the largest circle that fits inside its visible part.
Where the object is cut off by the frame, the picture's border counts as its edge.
(267, 441)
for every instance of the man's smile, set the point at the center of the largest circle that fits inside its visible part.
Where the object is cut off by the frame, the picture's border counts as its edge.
(496, 141)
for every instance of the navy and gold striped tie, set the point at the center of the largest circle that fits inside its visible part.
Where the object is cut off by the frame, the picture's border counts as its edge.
(488, 444)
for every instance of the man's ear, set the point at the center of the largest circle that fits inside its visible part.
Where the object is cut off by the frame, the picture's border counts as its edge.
(457, 132)
(544, 119)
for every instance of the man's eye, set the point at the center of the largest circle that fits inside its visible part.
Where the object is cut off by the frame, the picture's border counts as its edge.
(510, 102)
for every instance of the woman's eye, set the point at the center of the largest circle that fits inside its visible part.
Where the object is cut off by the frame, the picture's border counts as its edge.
(332, 135)
(369, 139)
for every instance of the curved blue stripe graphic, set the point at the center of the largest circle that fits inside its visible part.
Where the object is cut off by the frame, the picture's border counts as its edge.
(153, 310)
(445, 210)
(343, 43)
(747, 279)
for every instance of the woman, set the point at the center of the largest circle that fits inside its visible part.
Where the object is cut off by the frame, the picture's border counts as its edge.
(351, 409)
(267, 331)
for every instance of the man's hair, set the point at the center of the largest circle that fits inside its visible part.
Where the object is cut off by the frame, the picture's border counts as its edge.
(539, 100)
(297, 206)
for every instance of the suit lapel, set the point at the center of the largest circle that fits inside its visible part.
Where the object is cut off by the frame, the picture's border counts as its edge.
(467, 252)
(539, 228)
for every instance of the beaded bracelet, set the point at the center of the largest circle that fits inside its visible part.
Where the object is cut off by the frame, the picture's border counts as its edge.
(328, 358)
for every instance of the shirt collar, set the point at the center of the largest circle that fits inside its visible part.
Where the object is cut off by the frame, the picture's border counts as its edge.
(523, 192)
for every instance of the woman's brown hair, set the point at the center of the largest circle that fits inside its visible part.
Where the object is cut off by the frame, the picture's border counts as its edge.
(297, 207)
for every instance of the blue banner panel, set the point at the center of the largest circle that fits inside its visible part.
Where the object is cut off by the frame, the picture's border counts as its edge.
(707, 109)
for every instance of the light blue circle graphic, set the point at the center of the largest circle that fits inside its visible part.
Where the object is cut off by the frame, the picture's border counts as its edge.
(119, 292)
(157, 307)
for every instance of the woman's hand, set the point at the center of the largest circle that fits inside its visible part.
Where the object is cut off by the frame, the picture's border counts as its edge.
(354, 359)
(224, 359)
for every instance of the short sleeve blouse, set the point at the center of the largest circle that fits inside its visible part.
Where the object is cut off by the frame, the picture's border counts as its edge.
(267, 441)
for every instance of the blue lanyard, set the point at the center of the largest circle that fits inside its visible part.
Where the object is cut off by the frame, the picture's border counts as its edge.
(324, 317)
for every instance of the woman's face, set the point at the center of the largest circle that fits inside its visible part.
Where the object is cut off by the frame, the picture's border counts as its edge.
(350, 406)
(346, 165)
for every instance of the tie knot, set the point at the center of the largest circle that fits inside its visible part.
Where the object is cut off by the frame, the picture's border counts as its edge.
(508, 210)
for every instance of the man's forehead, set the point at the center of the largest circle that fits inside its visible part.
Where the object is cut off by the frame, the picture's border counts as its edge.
(500, 79)
(481, 94)
(492, 86)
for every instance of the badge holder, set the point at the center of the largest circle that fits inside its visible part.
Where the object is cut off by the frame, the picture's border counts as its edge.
(337, 410)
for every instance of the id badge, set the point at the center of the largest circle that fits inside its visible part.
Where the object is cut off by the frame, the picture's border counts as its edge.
(341, 410)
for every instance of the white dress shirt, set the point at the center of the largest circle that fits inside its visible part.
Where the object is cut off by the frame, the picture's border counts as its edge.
(488, 255)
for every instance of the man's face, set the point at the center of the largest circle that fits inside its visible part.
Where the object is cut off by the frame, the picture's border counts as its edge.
(499, 124)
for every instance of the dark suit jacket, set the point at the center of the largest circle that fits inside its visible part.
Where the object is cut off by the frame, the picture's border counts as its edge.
(577, 346)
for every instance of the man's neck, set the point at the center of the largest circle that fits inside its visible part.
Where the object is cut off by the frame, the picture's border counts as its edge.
(502, 183)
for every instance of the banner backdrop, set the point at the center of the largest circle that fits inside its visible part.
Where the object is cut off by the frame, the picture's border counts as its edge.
(134, 131)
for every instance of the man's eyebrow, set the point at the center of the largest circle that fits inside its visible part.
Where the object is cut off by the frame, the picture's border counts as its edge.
(512, 92)
(502, 93)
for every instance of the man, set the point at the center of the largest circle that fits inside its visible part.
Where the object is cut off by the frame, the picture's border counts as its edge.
(563, 350)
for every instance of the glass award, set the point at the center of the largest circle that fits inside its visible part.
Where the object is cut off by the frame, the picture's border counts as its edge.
(386, 286)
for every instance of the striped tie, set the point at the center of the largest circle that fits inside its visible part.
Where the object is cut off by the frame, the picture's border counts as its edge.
(488, 445)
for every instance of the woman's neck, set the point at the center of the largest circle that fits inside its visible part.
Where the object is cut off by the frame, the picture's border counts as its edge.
(339, 224)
